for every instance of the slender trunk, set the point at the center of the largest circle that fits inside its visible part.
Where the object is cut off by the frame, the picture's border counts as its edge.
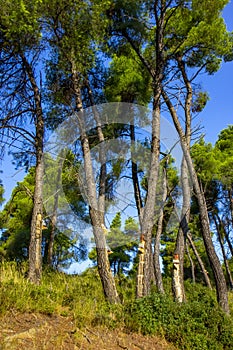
(229, 242)
(220, 282)
(199, 260)
(145, 275)
(178, 262)
(220, 229)
(103, 264)
(35, 249)
(228, 271)
(191, 263)
(54, 215)
(134, 169)
(158, 274)
(230, 195)
(178, 265)
(97, 216)
(102, 152)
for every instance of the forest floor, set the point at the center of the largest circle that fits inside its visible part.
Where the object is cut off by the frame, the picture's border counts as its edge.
(37, 331)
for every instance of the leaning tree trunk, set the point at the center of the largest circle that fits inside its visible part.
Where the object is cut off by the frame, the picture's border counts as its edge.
(230, 196)
(145, 275)
(54, 214)
(220, 282)
(96, 215)
(229, 243)
(191, 263)
(134, 171)
(156, 255)
(228, 271)
(178, 262)
(220, 230)
(199, 260)
(35, 249)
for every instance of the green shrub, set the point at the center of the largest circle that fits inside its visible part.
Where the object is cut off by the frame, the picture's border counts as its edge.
(195, 325)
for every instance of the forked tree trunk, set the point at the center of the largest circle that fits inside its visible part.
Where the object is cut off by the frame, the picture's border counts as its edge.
(145, 276)
(220, 282)
(35, 249)
(145, 270)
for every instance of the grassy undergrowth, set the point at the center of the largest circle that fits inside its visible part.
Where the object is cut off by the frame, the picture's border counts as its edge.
(196, 325)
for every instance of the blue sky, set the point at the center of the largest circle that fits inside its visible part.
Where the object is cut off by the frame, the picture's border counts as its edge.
(217, 115)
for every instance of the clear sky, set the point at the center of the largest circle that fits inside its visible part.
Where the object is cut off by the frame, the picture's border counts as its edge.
(217, 115)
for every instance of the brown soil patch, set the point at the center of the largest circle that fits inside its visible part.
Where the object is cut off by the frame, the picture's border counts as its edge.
(42, 332)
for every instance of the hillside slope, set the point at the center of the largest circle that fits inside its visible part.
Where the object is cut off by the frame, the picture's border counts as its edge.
(37, 331)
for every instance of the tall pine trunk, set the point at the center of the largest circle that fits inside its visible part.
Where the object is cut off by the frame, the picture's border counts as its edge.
(178, 262)
(191, 263)
(145, 276)
(220, 282)
(199, 260)
(178, 265)
(220, 231)
(35, 249)
(156, 254)
(54, 214)
(96, 215)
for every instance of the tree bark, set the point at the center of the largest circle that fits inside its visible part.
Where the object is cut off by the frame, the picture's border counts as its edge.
(134, 170)
(35, 249)
(220, 282)
(199, 260)
(156, 255)
(191, 263)
(96, 215)
(220, 230)
(178, 272)
(145, 269)
(54, 215)
(230, 195)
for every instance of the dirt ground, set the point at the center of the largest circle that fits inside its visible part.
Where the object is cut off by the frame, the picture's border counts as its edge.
(42, 332)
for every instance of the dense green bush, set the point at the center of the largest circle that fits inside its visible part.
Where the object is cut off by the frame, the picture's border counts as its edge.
(196, 325)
